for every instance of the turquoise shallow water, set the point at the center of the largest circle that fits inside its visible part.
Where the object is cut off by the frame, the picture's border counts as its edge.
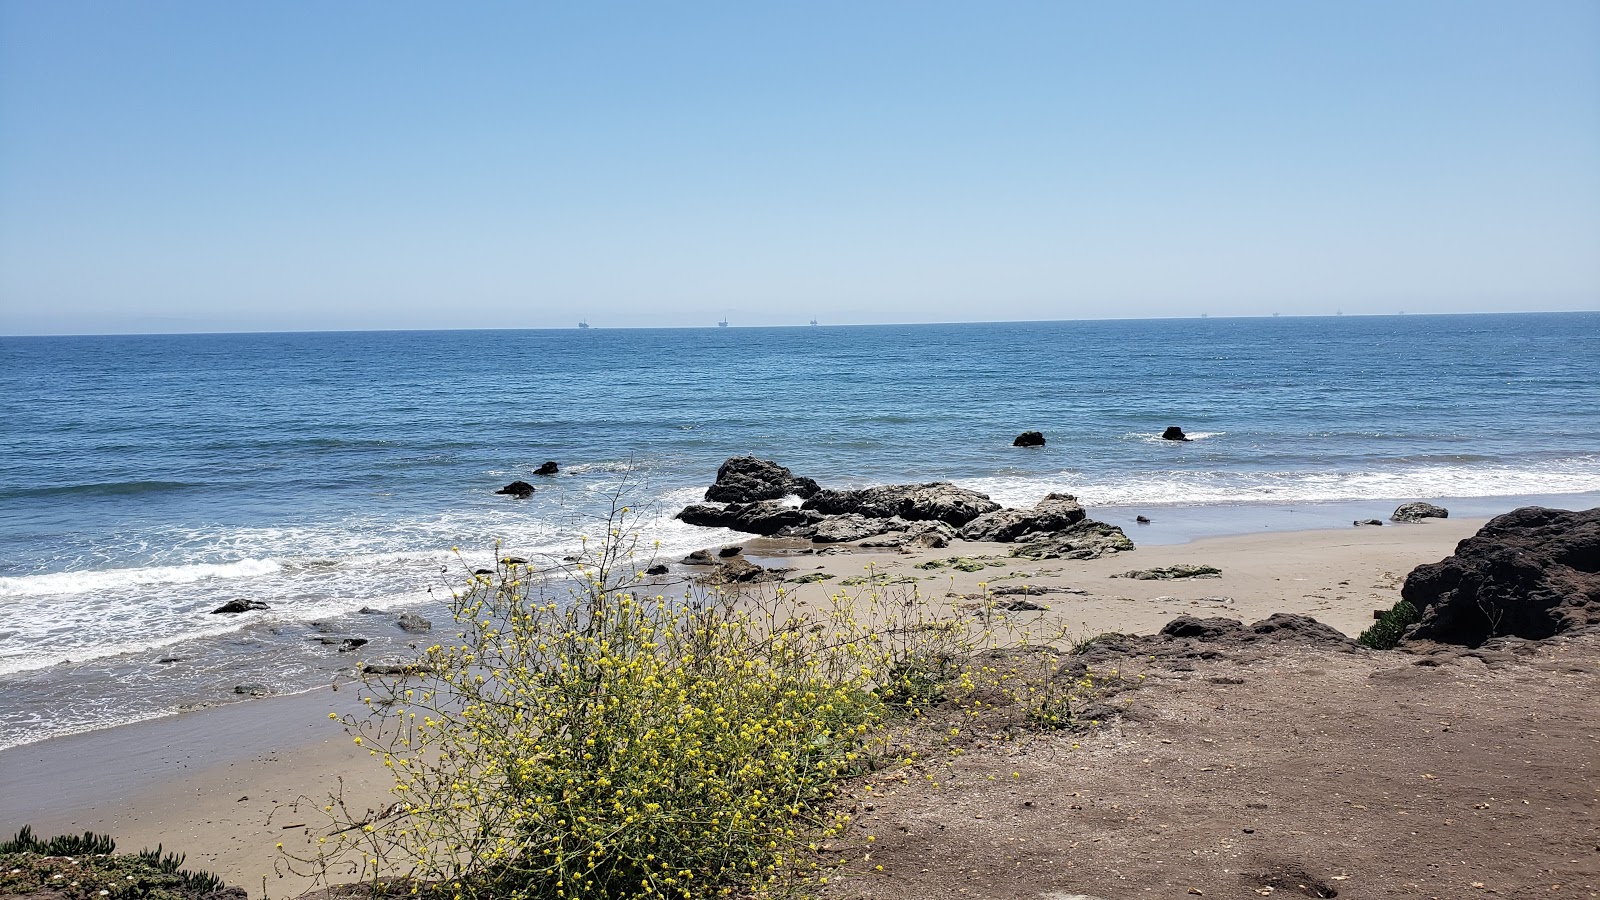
(143, 479)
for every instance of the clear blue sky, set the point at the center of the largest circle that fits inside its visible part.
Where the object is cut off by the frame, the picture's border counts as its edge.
(305, 165)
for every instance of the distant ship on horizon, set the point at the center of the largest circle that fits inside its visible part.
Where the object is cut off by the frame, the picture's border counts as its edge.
(723, 324)
(584, 324)
(813, 321)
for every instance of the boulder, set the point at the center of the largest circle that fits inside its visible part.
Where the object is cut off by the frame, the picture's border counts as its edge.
(700, 558)
(766, 517)
(853, 527)
(746, 479)
(518, 489)
(1142, 520)
(736, 571)
(928, 535)
(1531, 573)
(937, 501)
(1087, 539)
(1174, 433)
(1359, 522)
(548, 467)
(1416, 512)
(413, 623)
(726, 552)
(238, 606)
(348, 644)
(657, 569)
(1054, 513)
(1029, 439)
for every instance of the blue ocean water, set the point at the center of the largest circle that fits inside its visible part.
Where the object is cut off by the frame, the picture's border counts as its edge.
(145, 479)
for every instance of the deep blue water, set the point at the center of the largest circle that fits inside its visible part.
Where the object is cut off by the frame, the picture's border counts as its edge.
(145, 478)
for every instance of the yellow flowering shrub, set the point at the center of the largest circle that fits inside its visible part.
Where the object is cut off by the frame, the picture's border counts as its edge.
(578, 738)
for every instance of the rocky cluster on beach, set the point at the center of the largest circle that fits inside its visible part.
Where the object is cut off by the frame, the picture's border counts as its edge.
(756, 496)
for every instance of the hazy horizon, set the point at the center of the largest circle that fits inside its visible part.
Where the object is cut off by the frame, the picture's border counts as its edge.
(171, 167)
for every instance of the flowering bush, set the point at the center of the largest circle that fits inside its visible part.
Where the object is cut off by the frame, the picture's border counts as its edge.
(598, 742)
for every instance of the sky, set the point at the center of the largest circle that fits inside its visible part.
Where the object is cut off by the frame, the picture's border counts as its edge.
(368, 164)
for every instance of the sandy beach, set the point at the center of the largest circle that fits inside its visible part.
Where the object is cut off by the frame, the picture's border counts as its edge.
(222, 784)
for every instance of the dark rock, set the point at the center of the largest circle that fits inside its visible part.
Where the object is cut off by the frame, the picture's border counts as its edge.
(1298, 629)
(726, 552)
(349, 644)
(1531, 573)
(700, 558)
(1020, 606)
(515, 560)
(1142, 520)
(1029, 439)
(518, 489)
(548, 467)
(171, 659)
(746, 479)
(657, 569)
(1086, 540)
(736, 571)
(414, 623)
(1215, 629)
(928, 535)
(1174, 433)
(238, 606)
(935, 501)
(1056, 512)
(483, 571)
(369, 611)
(1360, 522)
(853, 527)
(765, 517)
(252, 689)
(1416, 512)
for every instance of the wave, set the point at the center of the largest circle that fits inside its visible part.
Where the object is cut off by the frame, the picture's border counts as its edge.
(1178, 488)
(104, 579)
(102, 489)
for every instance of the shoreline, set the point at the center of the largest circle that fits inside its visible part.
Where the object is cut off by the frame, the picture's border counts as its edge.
(219, 783)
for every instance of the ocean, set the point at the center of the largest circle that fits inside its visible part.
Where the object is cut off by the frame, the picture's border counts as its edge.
(144, 480)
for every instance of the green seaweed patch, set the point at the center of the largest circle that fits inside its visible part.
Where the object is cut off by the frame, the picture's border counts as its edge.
(879, 579)
(964, 563)
(1171, 572)
(814, 578)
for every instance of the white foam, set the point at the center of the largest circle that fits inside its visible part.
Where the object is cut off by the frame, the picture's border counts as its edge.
(103, 579)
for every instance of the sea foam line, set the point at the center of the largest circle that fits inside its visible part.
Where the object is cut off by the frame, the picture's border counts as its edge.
(103, 579)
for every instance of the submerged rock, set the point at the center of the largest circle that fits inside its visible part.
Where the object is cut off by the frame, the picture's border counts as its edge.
(518, 489)
(1531, 573)
(239, 606)
(548, 467)
(414, 623)
(252, 689)
(657, 569)
(1029, 439)
(746, 479)
(1174, 433)
(1416, 512)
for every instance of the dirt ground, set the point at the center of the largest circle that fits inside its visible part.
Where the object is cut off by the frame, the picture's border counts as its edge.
(1293, 773)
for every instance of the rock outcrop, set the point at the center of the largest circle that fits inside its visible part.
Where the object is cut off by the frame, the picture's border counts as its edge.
(1056, 512)
(853, 527)
(746, 479)
(1416, 512)
(548, 467)
(1188, 638)
(1029, 439)
(1531, 573)
(1085, 540)
(937, 501)
(1174, 433)
(413, 623)
(768, 517)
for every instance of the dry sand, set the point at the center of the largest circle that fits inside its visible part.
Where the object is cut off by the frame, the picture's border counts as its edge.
(220, 784)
